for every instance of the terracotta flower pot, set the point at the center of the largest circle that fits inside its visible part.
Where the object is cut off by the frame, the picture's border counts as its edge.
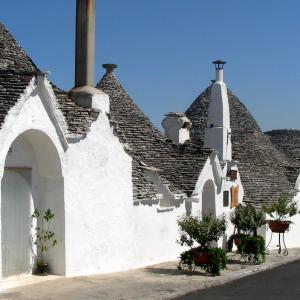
(279, 226)
(201, 259)
(237, 241)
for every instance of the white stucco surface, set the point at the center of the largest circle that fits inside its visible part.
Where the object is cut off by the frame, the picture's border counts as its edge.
(218, 133)
(32, 140)
(177, 127)
(88, 185)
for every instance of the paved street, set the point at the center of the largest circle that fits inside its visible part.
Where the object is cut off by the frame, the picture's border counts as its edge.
(281, 283)
(165, 281)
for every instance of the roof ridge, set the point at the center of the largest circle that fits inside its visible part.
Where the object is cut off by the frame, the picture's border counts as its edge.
(12, 56)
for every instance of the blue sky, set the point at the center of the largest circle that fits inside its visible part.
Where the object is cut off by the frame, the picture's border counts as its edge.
(164, 50)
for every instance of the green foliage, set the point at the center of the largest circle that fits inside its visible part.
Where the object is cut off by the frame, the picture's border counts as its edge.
(217, 260)
(44, 236)
(247, 219)
(202, 230)
(281, 209)
(252, 248)
(187, 260)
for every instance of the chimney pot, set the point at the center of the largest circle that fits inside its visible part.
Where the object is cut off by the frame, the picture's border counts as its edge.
(109, 67)
(219, 65)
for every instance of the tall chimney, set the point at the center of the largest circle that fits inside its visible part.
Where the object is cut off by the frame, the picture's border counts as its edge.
(85, 43)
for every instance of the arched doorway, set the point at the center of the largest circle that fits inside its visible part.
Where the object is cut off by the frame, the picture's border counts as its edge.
(208, 198)
(32, 179)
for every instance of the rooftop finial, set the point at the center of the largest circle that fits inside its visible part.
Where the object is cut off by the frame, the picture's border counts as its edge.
(219, 64)
(109, 67)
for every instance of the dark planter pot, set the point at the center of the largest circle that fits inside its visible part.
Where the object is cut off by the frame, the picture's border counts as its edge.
(201, 259)
(41, 269)
(237, 241)
(279, 226)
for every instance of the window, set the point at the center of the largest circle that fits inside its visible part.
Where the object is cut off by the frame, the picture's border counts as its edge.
(225, 198)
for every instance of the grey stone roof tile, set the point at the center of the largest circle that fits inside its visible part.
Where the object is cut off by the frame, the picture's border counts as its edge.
(78, 119)
(262, 167)
(287, 141)
(17, 70)
(180, 165)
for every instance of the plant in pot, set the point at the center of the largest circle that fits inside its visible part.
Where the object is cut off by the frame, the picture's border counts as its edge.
(279, 212)
(203, 231)
(44, 239)
(247, 219)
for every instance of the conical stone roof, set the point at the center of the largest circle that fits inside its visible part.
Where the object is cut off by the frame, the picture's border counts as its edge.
(179, 165)
(17, 70)
(264, 170)
(287, 141)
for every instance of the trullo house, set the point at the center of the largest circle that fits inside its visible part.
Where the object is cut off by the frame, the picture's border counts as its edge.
(115, 183)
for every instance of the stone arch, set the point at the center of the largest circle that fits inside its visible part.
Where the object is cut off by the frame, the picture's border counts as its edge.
(32, 179)
(209, 198)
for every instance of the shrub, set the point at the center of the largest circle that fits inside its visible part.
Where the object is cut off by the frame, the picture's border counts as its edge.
(247, 219)
(252, 248)
(217, 260)
(281, 209)
(203, 230)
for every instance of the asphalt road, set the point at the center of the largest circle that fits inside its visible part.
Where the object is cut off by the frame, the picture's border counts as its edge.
(280, 283)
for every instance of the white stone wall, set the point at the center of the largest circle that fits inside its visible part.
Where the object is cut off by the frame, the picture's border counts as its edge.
(30, 114)
(103, 230)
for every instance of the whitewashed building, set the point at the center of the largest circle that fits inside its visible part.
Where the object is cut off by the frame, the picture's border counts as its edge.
(115, 183)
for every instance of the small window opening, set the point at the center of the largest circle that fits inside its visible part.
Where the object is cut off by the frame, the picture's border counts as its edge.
(225, 198)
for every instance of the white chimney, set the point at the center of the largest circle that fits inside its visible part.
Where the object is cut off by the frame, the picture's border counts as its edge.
(177, 127)
(218, 132)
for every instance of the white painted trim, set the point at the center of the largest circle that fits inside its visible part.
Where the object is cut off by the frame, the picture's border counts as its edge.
(53, 111)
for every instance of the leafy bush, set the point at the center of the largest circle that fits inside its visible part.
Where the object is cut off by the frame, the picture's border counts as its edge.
(232, 239)
(217, 260)
(281, 209)
(247, 219)
(252, 248)
(187, 260)
(202, 230)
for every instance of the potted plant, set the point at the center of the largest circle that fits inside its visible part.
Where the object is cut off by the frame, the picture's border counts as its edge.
(247, 219)
(44, 239)
(280, 211)
(252, 248)
(203, 231)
